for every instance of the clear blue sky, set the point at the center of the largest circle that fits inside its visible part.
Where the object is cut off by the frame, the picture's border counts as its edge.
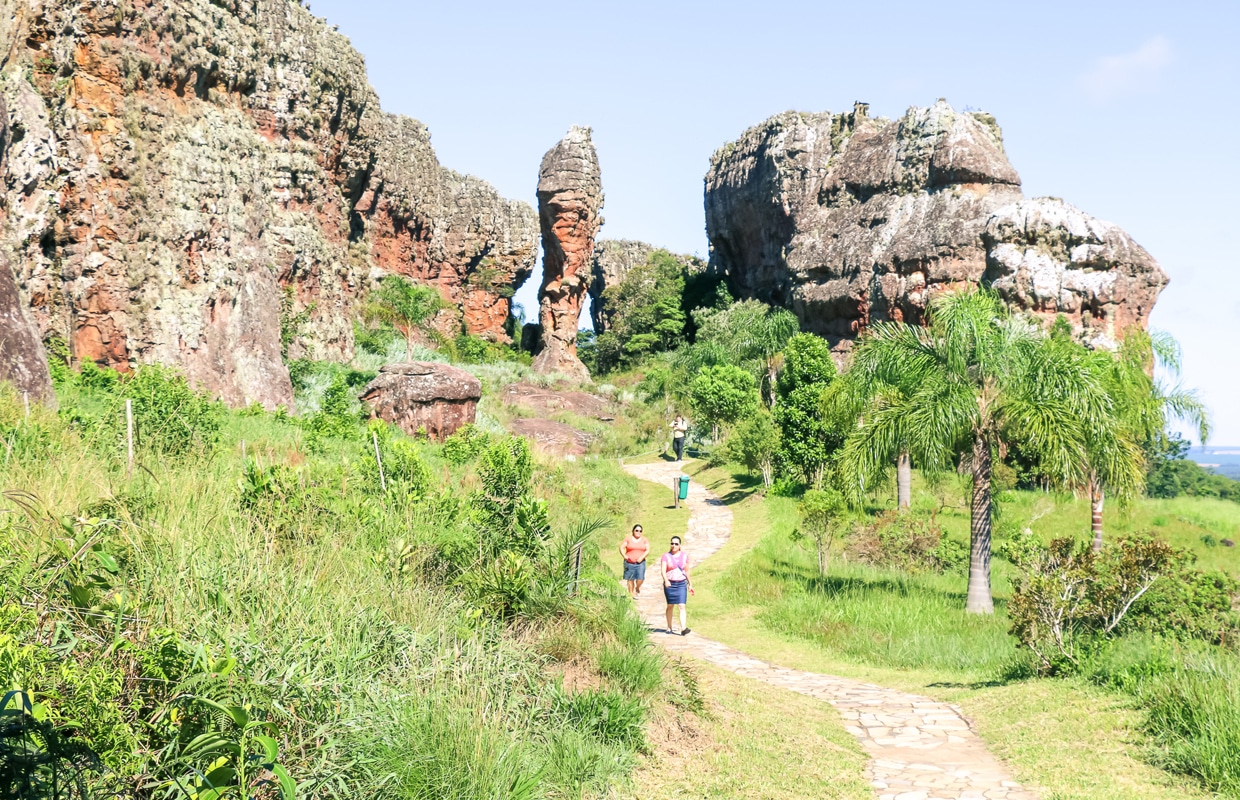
(1129, 110)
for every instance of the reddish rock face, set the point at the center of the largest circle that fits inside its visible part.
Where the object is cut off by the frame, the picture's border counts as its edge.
(551, 436)
(424, 397)
(204, 185)
(570, 197)
(849, 220)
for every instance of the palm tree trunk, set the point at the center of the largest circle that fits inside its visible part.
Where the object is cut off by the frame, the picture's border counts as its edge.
(904, 481)
(1096, 498)
(978, 600)
(771, 376)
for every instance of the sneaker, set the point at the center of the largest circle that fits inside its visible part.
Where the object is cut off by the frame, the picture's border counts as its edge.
(685, 632)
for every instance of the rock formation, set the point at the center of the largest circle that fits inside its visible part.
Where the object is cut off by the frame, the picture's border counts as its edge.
(551, 436)
(23, 362)
(424, 396)
(849, 220)
(613, 259)
(570, 196)
(207, 184)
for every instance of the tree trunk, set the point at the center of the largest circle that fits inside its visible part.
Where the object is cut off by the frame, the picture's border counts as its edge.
(978, 600)
(904, 481)
(1096, 497)
(771, 376)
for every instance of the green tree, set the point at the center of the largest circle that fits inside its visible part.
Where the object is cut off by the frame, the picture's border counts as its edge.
(755, 443)
(1143, 407)
(976, 380)
(750, 334)
(409, 307)
(822, 514)
(808, 436)
(721, 394)
(643, 312)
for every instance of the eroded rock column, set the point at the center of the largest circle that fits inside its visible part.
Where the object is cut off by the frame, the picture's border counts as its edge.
(570, 196)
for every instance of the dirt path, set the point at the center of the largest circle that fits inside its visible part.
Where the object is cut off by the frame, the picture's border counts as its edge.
(920, 749)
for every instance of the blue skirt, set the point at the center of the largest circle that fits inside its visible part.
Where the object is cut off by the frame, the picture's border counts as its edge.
(677, 593)
(635, 572)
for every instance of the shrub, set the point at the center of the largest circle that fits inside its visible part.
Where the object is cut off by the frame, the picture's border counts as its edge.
(338, 417)
(466, 444)
(1070, 595)
(907, 542)
(754, 444)
(505, 512)
(822, 514)
(170, 417)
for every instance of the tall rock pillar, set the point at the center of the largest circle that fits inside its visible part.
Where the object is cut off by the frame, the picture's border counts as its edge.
(570, 196)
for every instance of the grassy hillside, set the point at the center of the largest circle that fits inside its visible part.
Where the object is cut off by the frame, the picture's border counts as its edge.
(254, 623)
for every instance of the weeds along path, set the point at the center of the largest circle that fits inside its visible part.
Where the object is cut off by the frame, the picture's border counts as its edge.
(920, 749)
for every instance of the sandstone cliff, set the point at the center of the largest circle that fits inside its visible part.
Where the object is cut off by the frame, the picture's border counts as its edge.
(849, 220)
(204, 183)
(570, 197)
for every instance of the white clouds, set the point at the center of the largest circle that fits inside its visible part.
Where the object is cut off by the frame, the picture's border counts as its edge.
(1113, 76)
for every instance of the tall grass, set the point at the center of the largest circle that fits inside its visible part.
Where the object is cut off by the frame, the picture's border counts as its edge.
(329, 620)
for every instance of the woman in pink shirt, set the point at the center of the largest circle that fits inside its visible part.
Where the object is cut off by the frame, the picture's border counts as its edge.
(674, 569)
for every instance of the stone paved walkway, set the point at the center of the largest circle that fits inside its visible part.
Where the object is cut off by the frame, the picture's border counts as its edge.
(920, 749)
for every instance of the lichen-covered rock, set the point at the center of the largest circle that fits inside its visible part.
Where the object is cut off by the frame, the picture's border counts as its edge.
(424, 397)
(207, 184)
(849, 220)
(570, 197)
(23, 362)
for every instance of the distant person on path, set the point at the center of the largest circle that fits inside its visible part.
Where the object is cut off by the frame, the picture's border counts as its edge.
(674, 569)
(633, 550)
(679, 428)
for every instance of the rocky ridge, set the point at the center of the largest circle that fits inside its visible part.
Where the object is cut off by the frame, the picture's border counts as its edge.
(211, 183)
(849, 220)
(570, 199)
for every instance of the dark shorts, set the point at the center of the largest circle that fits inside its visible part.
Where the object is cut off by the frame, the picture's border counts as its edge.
(677, 593)
(635, 572)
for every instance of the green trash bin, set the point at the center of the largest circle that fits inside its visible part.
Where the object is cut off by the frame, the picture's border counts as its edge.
(684, 487)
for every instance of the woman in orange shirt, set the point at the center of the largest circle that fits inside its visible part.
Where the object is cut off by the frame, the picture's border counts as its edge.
(633, 550)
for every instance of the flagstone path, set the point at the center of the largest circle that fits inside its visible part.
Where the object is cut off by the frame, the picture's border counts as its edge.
(920, 749)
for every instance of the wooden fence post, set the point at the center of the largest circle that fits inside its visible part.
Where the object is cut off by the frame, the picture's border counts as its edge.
(379, 460)
(129, 437)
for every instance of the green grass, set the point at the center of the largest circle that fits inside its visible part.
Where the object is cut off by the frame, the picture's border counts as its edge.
(334, 621)
(1067, 737)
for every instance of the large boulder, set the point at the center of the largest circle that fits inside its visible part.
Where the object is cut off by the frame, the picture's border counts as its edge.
(570, 199)
(849, 220)
(424, 397)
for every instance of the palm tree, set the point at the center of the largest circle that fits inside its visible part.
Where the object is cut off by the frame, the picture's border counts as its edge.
(765, 338)
(1143, 407)
(863, 395)
(409, 307)
(972, 382)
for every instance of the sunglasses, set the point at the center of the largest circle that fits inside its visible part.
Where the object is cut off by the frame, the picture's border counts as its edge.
(675, 544)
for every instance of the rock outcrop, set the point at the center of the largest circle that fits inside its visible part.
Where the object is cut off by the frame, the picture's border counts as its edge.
(424, 397)
(849, 220)
(208, 184)
(23, 361)
(551, 436)
(570, 197)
